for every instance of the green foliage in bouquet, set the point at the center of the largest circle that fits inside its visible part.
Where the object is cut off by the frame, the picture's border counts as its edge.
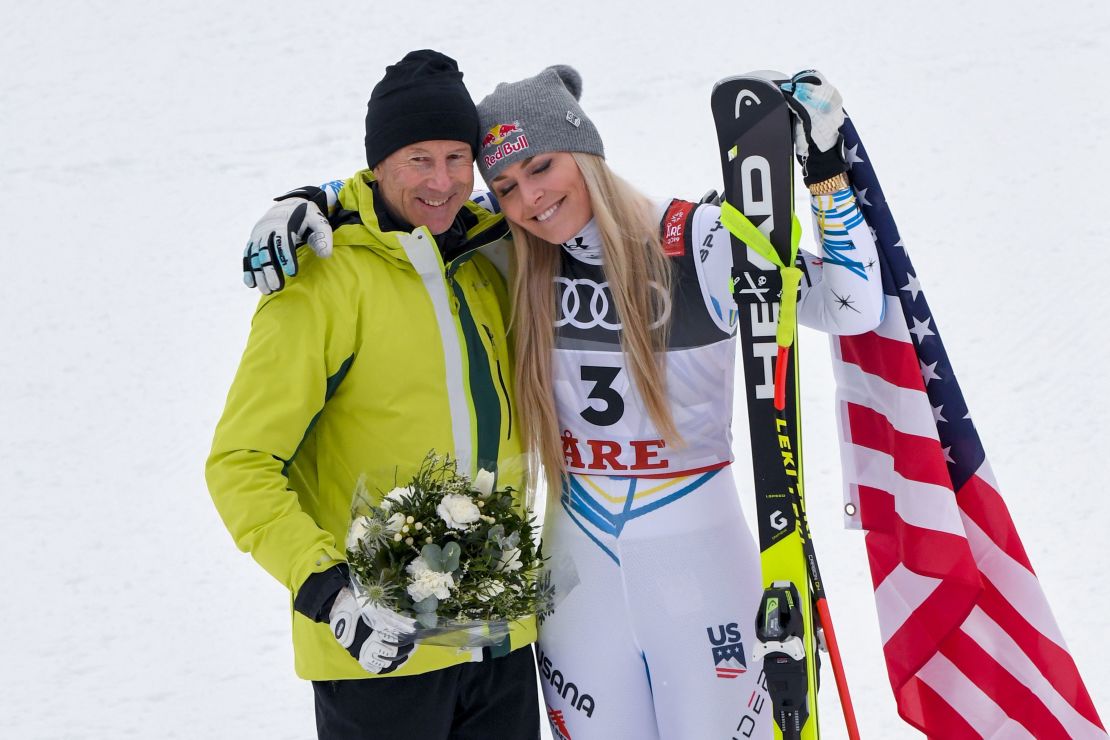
(446, 549)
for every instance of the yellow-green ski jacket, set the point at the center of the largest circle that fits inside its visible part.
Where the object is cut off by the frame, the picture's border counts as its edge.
(364, 363)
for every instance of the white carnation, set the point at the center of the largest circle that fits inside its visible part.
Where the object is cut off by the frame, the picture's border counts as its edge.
(427, 582)
(483, 482)
(510, 561)
(457, 511)
(417, 567)
(393, 498)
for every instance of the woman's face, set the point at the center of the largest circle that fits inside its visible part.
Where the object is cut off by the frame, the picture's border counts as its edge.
(545, 195)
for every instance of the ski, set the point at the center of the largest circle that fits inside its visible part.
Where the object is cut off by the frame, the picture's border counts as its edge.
(754, 134)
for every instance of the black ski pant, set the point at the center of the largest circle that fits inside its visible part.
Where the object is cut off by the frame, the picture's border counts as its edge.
(495, 698)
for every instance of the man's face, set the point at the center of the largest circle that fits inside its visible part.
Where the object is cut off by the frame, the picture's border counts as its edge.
(426, 183)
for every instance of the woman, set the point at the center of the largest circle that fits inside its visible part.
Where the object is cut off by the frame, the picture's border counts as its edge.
(624, 385)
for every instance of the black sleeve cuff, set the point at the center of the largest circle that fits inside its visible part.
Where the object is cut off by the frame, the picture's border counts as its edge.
(317, 594)
(821, 166)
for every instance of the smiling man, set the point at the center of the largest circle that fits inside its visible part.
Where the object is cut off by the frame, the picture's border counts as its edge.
(391, 348)
(422, 154)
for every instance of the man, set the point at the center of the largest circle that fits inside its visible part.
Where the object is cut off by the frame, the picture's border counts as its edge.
(391, 348)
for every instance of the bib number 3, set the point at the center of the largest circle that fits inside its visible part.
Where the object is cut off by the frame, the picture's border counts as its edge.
(602, 378)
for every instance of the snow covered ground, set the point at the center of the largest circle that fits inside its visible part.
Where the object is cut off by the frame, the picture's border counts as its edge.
(139, 141)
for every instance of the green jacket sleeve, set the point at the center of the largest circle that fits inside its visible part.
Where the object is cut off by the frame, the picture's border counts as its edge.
(279, 389)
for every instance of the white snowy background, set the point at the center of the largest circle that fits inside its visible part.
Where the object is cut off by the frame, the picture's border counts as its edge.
(139, 141)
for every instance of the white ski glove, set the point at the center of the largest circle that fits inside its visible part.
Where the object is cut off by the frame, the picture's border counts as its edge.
(298, 218)
(379, 639)
(818, 115)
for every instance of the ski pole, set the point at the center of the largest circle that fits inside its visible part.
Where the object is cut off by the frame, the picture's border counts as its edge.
(839, 675)
(817, 587)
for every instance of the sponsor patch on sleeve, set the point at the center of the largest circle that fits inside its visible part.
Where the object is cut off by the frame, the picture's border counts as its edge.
(674, 227)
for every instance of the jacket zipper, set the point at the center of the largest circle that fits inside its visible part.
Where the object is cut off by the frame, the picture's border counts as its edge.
(501, 380)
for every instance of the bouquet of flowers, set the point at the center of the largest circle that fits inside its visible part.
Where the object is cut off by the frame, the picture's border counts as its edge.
(450, 552)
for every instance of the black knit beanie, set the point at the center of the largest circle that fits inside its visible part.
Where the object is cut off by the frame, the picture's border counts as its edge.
(421, 98)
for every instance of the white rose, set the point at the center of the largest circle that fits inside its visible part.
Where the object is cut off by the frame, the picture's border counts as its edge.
(483, 482)
(457, 511)
(427, 582)
(510, 561)
(395, 522)
(489, 589)
(357, 531)
(393, 498)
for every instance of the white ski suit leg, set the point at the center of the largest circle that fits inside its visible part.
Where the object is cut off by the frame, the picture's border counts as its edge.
(660, 629)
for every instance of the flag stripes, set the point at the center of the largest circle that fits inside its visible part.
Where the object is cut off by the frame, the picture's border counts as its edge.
(971, 646)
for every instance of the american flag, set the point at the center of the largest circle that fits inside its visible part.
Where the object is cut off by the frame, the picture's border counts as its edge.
(971, 646)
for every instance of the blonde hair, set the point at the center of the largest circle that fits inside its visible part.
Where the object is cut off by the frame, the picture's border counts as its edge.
(632, 260)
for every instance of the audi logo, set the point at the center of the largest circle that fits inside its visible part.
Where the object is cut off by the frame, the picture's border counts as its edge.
(594, 297)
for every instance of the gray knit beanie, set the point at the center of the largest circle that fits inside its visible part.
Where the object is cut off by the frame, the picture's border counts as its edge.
(534, 116)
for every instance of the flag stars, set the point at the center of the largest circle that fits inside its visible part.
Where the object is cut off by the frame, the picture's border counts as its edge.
(929, 372)
(862, 195)
(913, 286)
(920, 329)
(853, 155)
(938, 417)
(900, 244)
(948, 455)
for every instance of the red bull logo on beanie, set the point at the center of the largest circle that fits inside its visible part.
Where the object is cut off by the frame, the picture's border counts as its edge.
(498, 132)
(497, 137)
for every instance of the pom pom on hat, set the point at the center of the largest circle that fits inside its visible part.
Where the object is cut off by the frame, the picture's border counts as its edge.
(570, 77)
